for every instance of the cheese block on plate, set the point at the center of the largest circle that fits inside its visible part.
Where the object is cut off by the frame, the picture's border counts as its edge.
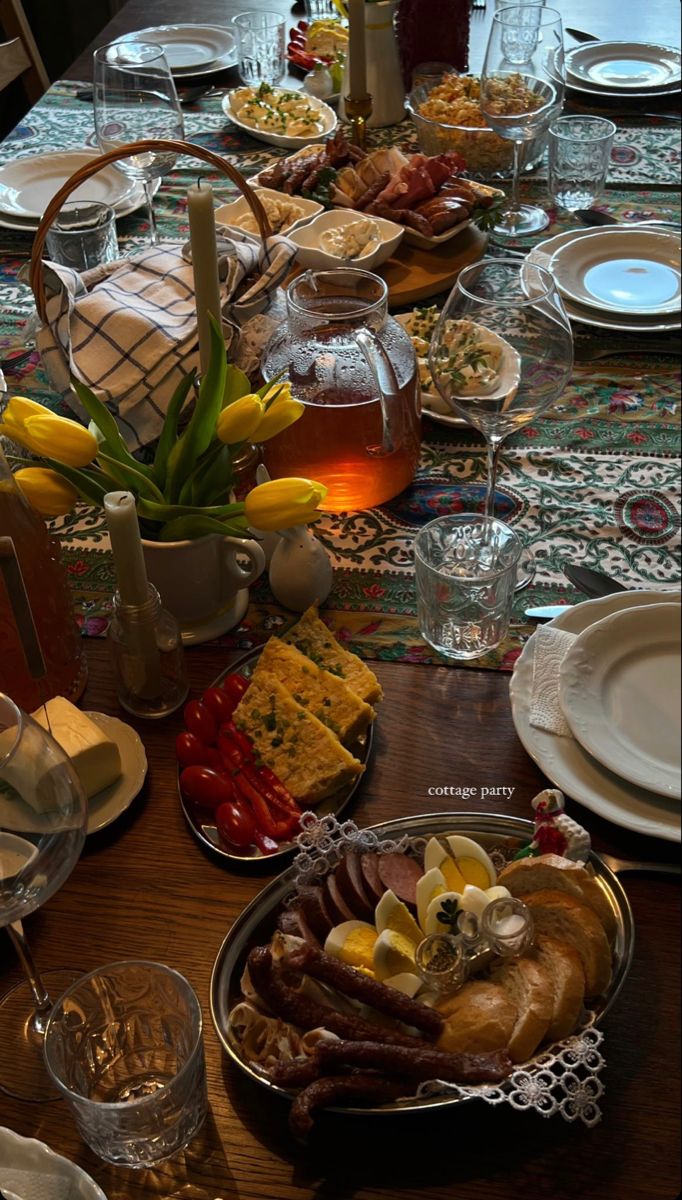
(311, 636)
(304, 753)
(323, 694)
(95, 756)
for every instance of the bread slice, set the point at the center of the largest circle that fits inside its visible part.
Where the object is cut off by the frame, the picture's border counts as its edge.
(479, 1017)
(326, 695)
(529, 987)
(304, 753)
(561, 875)
(311, 636)
(563, 966)
(561, 916)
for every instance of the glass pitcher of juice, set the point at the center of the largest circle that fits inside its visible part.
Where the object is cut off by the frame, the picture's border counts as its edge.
(24, 539)
(355, 370)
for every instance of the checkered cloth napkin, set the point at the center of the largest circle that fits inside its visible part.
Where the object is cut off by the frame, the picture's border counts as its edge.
(128, 329)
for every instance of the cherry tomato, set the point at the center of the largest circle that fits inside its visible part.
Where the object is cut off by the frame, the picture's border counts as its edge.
(200, 721)
(235, 824)
(205, 787)
(235, 686)
(220, 704)
(189, 751)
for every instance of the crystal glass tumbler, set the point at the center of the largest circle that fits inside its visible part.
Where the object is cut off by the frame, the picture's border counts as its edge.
(579, 157)
(83, 235)
(465, 570)
(124, 1048)
(261, 37)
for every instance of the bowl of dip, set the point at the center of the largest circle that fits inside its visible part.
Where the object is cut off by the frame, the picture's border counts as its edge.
(345, 237)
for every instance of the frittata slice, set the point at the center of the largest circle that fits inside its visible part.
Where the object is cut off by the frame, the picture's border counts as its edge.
(304, 753)
(331, 700)
(311, 636)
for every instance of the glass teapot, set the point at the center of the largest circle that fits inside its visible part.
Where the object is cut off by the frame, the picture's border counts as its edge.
(355, 369)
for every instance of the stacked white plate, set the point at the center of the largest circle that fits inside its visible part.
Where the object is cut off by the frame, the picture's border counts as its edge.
(190, 49)
(619, 691)
(624, 70)
(28, 184)
(615, 277)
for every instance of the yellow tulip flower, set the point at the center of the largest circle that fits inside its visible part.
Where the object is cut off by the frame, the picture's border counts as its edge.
(282, 413)
(46, 491)
(36, 428)
(239, 421)
(281, 503)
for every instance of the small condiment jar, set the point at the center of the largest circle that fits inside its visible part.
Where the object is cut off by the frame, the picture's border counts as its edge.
(507, 927)
(441, 962)
(148, 657)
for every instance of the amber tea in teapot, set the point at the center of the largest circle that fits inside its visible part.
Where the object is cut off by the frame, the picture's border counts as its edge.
(355, 369)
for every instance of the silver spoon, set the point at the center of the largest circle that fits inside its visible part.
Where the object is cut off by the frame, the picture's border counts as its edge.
(620, 866)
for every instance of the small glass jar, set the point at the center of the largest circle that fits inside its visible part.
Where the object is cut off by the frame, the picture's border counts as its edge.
(147, 651)
(507, 926)
(441, 962)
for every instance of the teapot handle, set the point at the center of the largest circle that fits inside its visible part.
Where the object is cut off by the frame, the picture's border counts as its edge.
(388, 387)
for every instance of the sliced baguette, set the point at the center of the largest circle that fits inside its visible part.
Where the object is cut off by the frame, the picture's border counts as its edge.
(479, 1017)
(529, 987)
(561, 916)
(561, 875)
(564, 968)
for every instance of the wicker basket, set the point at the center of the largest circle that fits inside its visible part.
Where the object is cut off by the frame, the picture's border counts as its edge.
(36, 273)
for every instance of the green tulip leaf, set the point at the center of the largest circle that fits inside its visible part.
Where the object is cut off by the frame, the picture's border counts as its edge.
(130, 478)
(201, 428)
(215, 480)
(168, 512)
(89, 487)
(190, 527)
(113, 442)
(169, 432)
(236, 385)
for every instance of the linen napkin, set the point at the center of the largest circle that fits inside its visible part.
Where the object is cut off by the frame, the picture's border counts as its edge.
(128, 329)
(551, 647)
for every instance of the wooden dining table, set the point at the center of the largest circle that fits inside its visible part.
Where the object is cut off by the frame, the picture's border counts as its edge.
(144, 888)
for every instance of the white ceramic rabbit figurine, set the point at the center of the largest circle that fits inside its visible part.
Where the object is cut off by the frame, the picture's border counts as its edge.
(300, 569)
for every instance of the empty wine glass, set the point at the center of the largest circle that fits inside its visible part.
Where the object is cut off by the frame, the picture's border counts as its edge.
(501, 354)
(522, 91)
(43, 814)
(135, 99)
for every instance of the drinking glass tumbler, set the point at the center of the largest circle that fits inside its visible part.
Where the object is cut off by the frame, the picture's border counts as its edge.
(261, 37)
(123, 1046)
(83, 235)
(320, 10)
(579, 157)
(465, 570)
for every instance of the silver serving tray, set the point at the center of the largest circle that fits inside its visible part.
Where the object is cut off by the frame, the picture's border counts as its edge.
(256, 924)
(206, 832)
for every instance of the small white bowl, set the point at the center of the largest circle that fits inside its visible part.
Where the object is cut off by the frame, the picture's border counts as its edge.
(327, 117)
(227, 212)
(309, 253)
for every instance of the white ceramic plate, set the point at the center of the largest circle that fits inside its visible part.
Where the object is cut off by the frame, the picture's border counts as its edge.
(413, 238)
(620, 693)
(28, 184)
(285, 141)
(136, 200)
(34, 1172)
(190, 49)
(107, 805)
(566, 763)
(543, 254)
(309, 252)
(237, 208)
(634, 272)
(624, 66)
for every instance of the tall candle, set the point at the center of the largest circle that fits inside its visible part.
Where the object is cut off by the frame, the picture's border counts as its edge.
(204, 263)
(126, 547)
(357, 68)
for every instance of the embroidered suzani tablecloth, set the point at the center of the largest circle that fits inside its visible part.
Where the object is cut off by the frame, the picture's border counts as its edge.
(596, 479)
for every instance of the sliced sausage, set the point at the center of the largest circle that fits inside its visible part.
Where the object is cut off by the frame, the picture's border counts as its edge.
(292, 921)
(336, 904)
(316, 912)
(370, 874)
(400, 874)
(349, 878)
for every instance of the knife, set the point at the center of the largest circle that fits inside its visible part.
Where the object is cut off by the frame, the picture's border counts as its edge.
(579, 36)
(592, 583)
(547, 612)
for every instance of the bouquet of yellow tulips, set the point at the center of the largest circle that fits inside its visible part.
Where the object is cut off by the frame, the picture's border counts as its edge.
(182, 493)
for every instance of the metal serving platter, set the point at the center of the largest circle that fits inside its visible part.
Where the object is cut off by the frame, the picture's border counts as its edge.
(204, 829)
(256, 924)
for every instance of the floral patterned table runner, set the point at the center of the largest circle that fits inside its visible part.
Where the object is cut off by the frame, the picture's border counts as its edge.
(596, 479)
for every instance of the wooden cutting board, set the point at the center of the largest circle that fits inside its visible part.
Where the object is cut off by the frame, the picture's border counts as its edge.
(413, 275)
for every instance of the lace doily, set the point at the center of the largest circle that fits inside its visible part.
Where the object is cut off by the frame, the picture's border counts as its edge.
(562, 1079)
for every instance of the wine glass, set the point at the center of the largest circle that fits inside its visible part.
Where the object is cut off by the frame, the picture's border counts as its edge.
(501, 354)
(522, 91)
(135, 99)
(43, 813)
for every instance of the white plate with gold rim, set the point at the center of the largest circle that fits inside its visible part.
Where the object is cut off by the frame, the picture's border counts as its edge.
(620, 694)
(633, 272)
(565, 762)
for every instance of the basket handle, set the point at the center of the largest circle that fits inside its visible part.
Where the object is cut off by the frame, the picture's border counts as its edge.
(36, 271)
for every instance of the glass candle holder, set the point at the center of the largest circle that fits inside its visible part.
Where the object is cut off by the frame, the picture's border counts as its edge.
(441, 962)
(507, 927)
(148, 656)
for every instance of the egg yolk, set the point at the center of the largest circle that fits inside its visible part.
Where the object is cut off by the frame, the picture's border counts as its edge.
(453, 877)
(474, 872)
(358, 948)
(403, 923)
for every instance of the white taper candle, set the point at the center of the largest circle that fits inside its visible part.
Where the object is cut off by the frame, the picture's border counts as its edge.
(204, 263)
